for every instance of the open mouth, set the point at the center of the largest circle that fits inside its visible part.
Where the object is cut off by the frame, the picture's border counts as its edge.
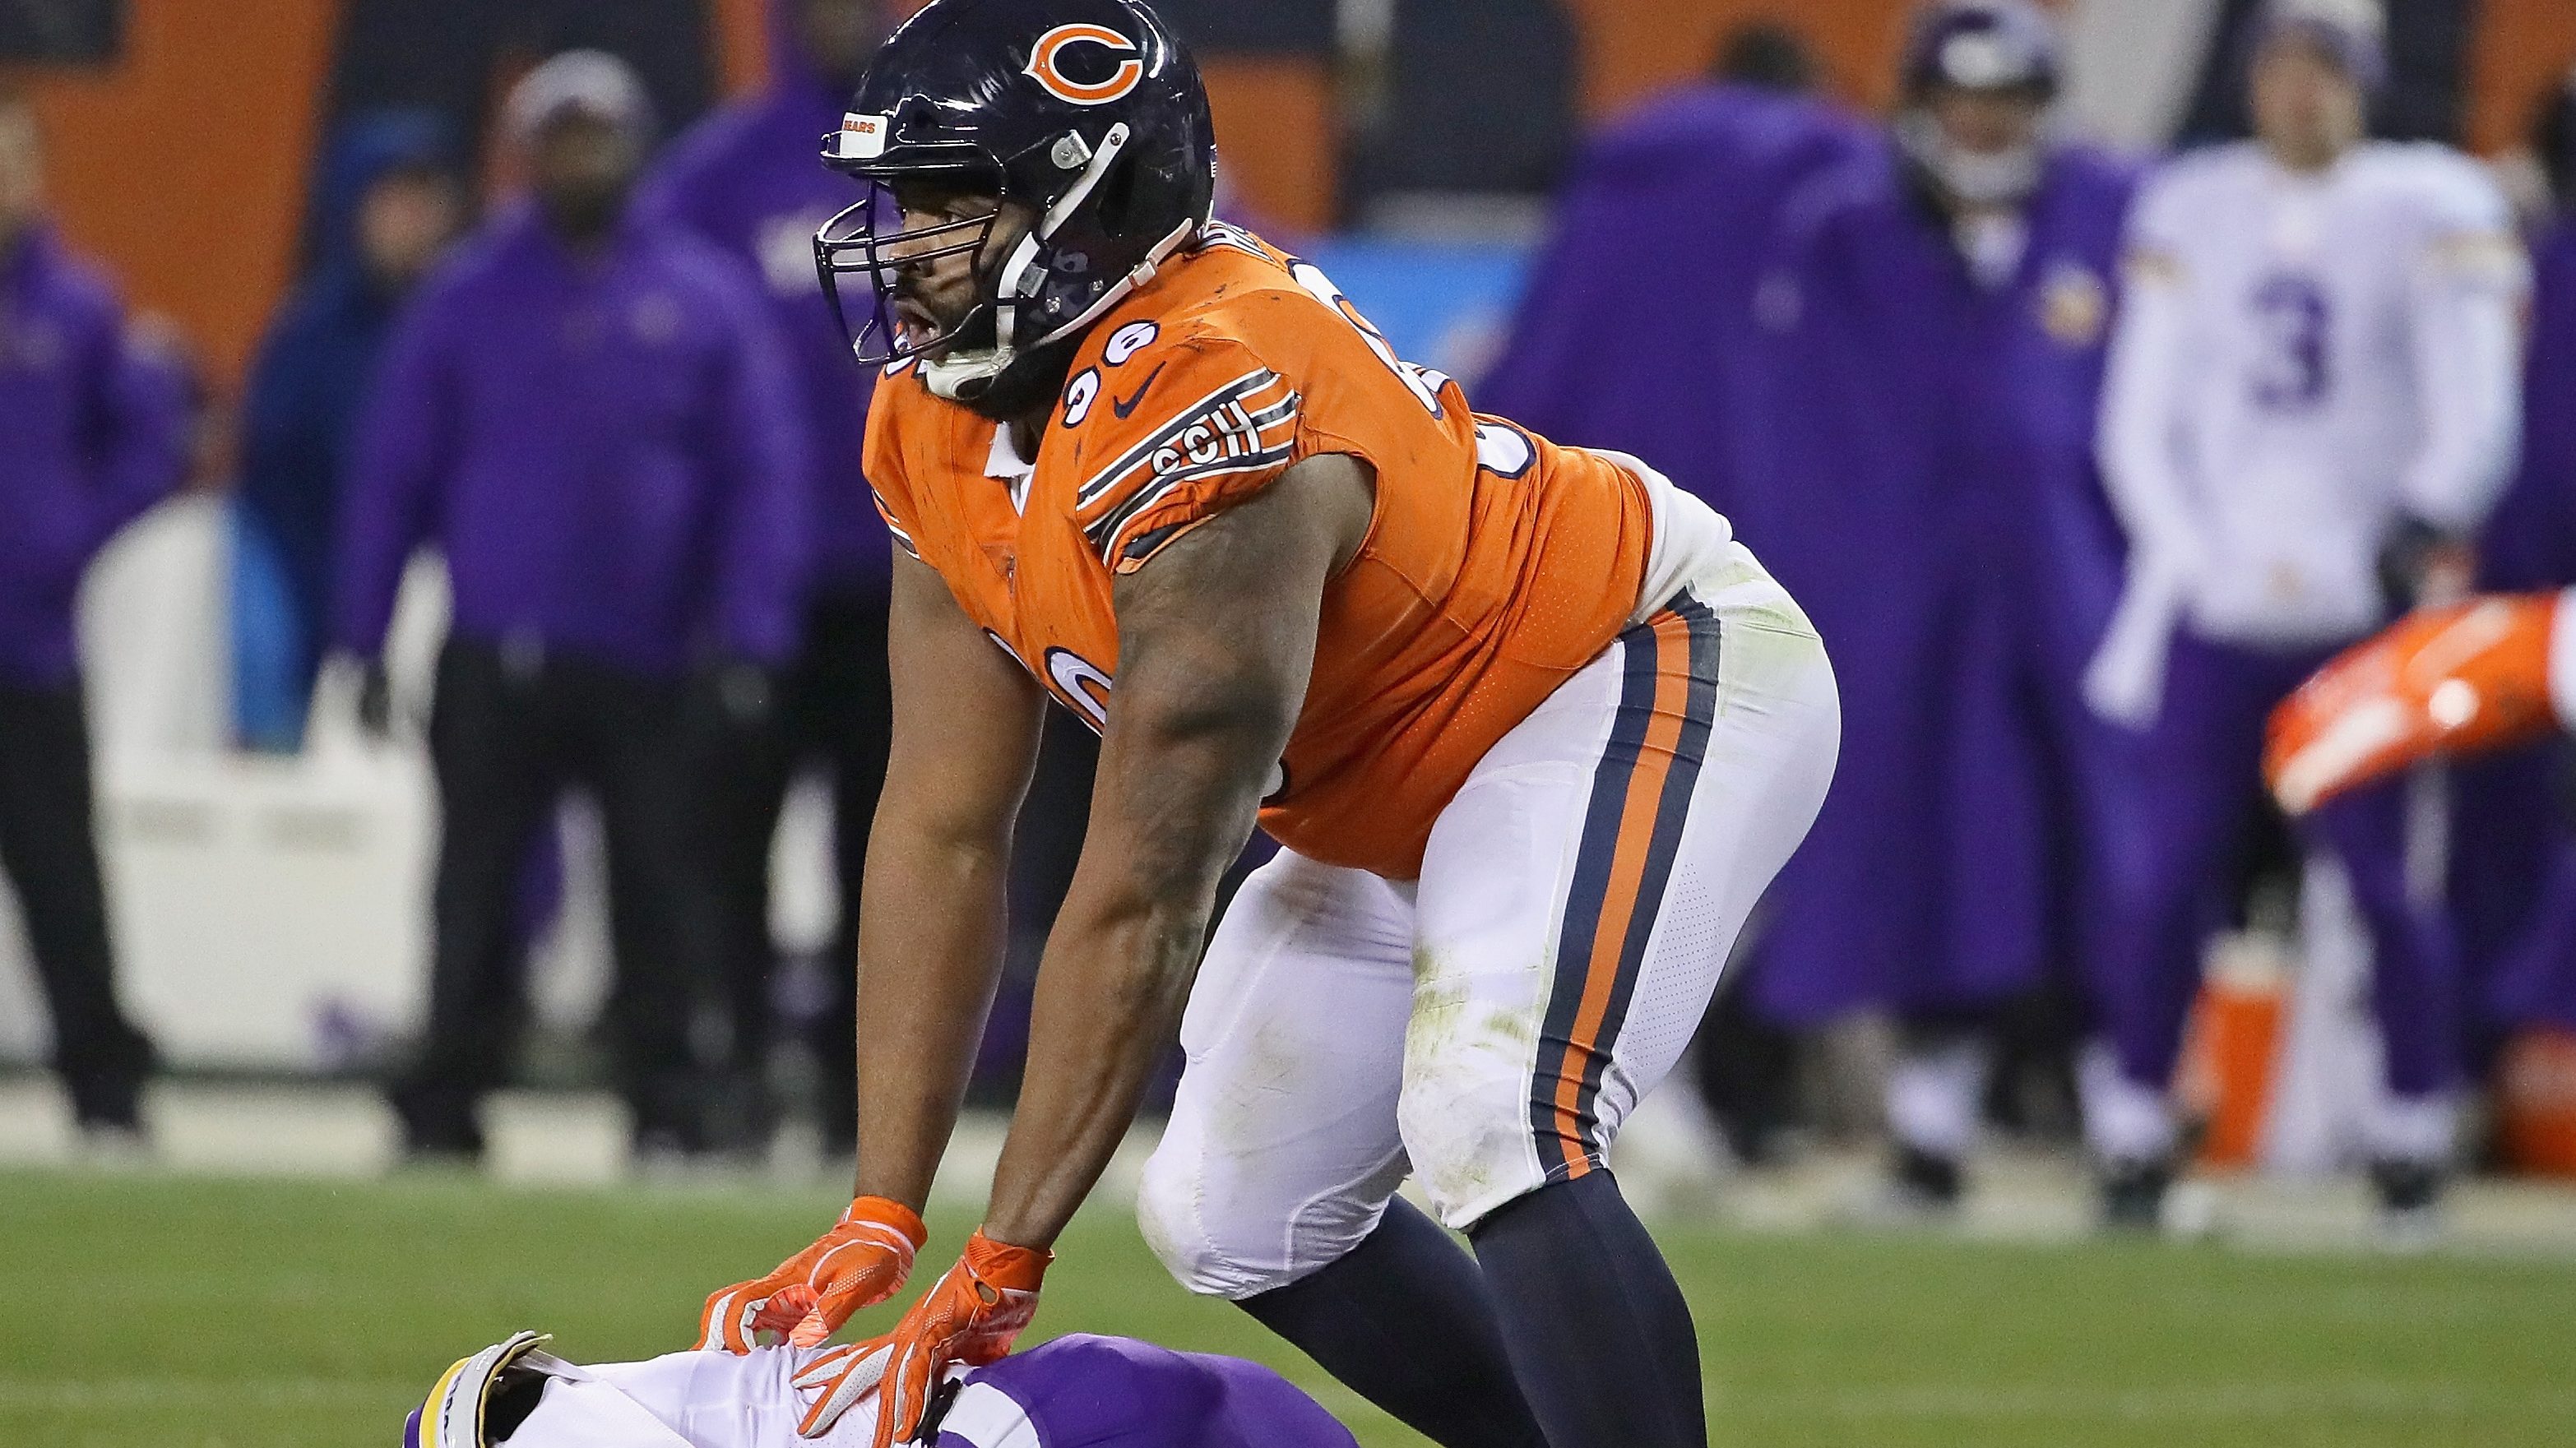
(914, 322)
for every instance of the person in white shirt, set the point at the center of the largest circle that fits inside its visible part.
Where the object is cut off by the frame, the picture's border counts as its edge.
(2314, 399)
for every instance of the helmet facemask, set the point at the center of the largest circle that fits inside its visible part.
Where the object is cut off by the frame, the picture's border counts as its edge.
(1017, 330)
(868, 241)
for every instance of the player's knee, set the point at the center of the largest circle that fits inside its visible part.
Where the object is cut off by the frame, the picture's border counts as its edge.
(1167, 1216)
(1470, 1154)
(1187, 1226)
(1221, 1243)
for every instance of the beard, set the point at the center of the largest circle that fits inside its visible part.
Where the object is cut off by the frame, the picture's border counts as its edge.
(1026, 381)
(1028, 384)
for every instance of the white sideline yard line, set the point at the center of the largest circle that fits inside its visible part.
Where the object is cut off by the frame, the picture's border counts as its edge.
(346, 1132)
(1669, 1164)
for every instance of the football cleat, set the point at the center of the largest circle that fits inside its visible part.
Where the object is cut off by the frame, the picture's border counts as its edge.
(2133, 1195)
(2410, 1203)
(1918, 1190)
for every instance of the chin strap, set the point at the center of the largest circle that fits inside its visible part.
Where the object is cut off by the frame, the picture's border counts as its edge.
(960, 376)
(953, 377)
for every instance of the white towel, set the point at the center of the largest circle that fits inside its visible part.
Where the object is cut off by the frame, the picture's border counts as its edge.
(2126, 681)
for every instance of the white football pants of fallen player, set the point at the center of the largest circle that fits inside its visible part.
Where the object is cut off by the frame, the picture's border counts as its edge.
(717, 1400)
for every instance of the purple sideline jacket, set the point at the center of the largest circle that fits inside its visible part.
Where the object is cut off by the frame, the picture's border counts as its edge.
(93, 431)
(1635, 327)
(1917, 468)
(2513, 862)
(608, 454)
(750, 180)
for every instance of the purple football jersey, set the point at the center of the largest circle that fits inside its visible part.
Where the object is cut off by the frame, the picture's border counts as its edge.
(1115, 1392)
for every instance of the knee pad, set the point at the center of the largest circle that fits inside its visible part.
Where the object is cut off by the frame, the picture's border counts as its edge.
(1472, 1151)
(1167, 1216)
(1222, 1244)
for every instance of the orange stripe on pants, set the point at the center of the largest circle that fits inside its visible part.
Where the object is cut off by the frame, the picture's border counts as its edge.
(1627, 874)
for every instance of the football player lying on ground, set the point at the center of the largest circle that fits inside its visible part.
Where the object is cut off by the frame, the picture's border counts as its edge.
(2473, 677)
(1074, 1392)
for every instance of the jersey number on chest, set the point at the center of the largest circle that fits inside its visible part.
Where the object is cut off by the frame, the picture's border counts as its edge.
(2294, 325)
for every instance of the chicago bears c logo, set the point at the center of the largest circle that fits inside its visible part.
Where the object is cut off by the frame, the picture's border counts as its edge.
(1046, 64)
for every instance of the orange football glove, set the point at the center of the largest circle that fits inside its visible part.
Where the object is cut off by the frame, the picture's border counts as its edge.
(859, 1263)
(839, 1379)
(2471, 676)
(973, 1316)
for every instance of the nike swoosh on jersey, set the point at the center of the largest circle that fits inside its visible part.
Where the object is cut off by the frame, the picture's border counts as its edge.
(1128, 407)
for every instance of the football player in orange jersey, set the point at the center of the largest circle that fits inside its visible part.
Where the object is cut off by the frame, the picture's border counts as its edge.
(1532, 729)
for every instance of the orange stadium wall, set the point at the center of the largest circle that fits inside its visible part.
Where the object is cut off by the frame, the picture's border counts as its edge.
(2522, 49)
(742, 44)
(1633, 48)
(1278, 128)
(181, 167)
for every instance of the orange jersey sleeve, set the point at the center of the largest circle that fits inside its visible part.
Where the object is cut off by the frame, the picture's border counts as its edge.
(1184, 415)
(882, 459)
(1208, 426)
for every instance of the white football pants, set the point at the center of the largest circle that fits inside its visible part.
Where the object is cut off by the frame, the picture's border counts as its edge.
(1489, 1026)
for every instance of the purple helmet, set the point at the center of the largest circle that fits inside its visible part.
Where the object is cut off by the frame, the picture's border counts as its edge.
(2353, 32)
(1982, 45)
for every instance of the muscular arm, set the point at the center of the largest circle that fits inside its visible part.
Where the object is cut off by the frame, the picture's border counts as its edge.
(931, 917)
(1216, 640)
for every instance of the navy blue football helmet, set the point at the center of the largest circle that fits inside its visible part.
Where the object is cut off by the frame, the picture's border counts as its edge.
(1088, 113)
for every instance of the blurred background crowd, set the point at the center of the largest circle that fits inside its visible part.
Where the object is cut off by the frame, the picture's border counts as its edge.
(445, 590)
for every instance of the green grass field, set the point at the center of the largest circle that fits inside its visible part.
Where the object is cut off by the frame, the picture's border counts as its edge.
(180, 1313)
